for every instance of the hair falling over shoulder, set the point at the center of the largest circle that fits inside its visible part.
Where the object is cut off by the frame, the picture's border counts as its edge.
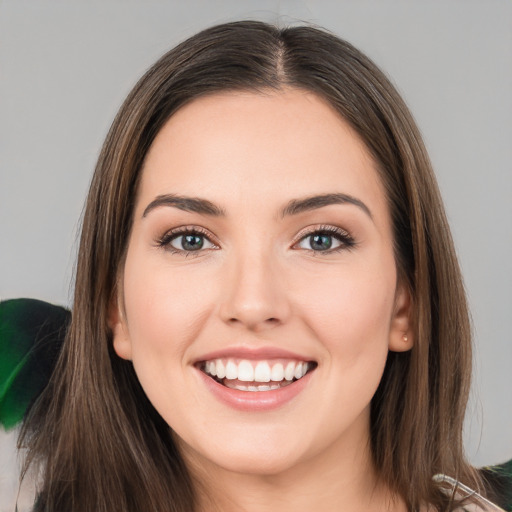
(97, 439)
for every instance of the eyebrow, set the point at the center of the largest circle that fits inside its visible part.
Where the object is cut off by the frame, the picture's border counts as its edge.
(293, 207)
(187, 204)
(296, 206)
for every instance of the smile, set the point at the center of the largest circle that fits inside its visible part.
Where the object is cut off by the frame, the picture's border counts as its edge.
(256, 375)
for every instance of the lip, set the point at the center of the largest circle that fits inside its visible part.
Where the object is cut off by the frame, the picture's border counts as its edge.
(252, 354)
(254, 400)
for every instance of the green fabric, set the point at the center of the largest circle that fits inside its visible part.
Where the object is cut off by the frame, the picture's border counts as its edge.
(499, 479)
(31, 334)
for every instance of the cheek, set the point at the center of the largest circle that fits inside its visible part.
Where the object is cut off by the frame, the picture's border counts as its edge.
(351, 310)
(165, 313)
(164, 307)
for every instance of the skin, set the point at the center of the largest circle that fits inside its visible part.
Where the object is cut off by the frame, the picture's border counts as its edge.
(258, 282)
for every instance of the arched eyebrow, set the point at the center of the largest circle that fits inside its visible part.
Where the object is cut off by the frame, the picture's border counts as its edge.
(293, 207)
(296, 206)
(187, 204)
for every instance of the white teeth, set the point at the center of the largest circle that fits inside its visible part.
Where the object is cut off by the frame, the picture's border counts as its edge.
(256, 371)
(231, 370)
(298, 371)
(290, 371)
(277, 373)
(262, 372)
(220, 369)
(263, 387)
(245, 371)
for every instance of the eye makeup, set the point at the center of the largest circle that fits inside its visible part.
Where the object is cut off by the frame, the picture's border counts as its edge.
(193, 240)
(323, 239)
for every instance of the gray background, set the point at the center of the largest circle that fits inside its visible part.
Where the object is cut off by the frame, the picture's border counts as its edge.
(65, 67)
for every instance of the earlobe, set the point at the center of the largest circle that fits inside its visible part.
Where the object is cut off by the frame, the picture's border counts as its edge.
(401, 335)
(120, 337)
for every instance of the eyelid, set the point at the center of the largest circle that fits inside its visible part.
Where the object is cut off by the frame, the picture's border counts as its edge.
(329, 228)
(346, 239)
(165, 239)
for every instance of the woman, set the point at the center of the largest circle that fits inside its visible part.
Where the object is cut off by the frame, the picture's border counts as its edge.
(268, 308)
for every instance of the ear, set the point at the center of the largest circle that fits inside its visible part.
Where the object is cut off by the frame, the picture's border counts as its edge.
(117, 323)
(401, 334)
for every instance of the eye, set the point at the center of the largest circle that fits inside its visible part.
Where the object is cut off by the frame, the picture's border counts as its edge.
(326, 239)
(186, 240)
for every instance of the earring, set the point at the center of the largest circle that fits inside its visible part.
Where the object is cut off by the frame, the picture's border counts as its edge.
(404, 337)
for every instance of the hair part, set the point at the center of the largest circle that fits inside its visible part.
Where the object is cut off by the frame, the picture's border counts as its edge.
(102, 444)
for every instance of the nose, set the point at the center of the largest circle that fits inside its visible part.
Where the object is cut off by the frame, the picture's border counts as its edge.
(254, 294)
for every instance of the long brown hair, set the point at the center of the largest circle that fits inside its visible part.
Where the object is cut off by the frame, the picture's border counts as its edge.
(101, 443)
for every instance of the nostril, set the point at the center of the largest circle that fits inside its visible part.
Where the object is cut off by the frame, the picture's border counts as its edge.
(272, 320)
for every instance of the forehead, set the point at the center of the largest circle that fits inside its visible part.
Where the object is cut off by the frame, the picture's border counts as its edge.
(261, 147)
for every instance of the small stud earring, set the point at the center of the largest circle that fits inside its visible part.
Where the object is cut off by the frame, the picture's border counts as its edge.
(404, 337)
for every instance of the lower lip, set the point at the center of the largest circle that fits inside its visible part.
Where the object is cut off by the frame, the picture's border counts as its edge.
(255, 400)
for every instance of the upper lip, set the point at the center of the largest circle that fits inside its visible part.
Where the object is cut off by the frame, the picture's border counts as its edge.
(253, 353)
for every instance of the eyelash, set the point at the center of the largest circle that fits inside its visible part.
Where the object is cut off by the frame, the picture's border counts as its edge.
(347, 242)
(165, 241)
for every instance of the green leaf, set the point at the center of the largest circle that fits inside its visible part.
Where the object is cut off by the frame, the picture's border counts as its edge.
(31, 336)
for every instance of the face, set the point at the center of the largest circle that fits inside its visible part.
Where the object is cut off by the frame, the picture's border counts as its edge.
(259, 295)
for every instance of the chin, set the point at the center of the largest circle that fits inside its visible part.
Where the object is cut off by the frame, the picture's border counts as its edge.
(250, 455)
(255, 464)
